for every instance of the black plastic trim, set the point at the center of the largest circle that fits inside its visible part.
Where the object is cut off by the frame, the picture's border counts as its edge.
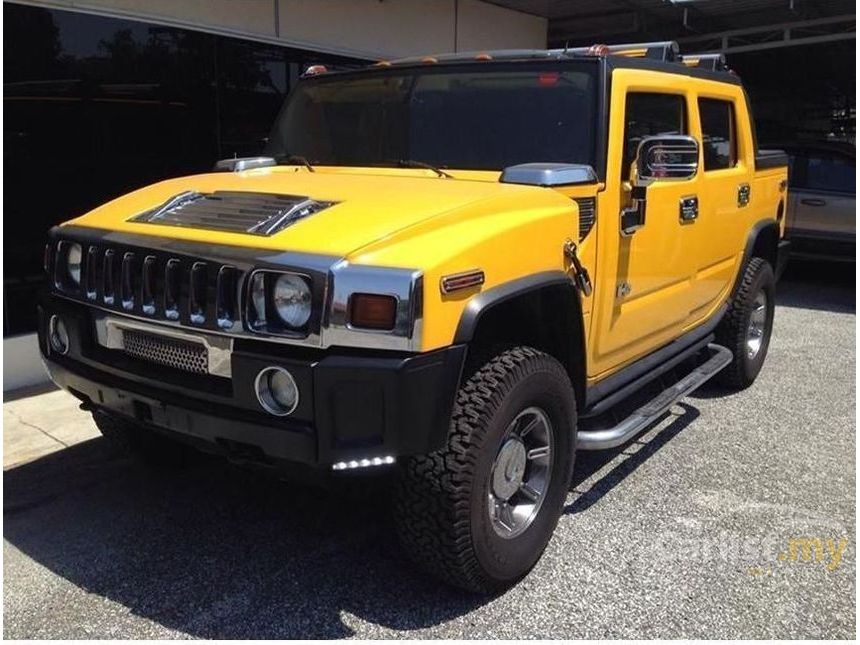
(766, 159)
(481, 303)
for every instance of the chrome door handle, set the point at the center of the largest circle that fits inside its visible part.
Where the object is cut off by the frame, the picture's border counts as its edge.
(688, 210)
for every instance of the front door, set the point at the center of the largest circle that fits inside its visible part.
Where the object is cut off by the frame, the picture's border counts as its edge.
(644, 287)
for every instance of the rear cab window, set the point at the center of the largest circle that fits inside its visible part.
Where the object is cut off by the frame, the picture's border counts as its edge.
(719, 133)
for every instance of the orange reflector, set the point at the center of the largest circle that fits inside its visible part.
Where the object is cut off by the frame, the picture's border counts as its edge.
(483, 56)
(458, 281)
(372, 311)
(313, 70)
(598, 50)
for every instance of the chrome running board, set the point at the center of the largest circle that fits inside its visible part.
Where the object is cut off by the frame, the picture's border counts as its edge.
(656, 407)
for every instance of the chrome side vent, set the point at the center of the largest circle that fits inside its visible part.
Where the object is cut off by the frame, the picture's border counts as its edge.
(233, 211)
(587, 214)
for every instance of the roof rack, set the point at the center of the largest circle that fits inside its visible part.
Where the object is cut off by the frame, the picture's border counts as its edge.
(713, 62)
(664, 51)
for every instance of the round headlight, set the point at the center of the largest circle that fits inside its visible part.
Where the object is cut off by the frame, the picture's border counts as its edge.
(292, 299)
(73, 262)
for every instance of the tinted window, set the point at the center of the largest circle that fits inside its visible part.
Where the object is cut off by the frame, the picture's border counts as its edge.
(718, 136)
(447, 117)
(649, 114)
(830, 173)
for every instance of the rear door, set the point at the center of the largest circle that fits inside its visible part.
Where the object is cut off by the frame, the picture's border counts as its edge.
(724, 199)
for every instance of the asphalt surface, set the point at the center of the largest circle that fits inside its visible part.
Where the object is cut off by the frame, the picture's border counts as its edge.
(679, 534)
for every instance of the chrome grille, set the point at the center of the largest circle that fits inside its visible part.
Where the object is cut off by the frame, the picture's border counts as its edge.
(170, 352)
(234, 211)
(587, 212)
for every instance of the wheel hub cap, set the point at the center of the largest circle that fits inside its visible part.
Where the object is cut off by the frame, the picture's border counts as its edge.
(757, 325)
(509, 470)
(520, 476)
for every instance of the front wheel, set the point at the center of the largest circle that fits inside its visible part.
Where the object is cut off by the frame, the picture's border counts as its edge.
(480, 512)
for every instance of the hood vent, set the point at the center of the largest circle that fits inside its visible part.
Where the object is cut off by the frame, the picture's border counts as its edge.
(233, 211)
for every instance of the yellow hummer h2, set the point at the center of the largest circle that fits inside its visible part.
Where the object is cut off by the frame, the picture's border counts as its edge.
(455, 269)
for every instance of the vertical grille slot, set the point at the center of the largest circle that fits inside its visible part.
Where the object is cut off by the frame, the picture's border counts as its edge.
(147, 290)
(108, 290)
(225, 297)
(127, 281)
(171, 289)
(197, 299)
(91, 271)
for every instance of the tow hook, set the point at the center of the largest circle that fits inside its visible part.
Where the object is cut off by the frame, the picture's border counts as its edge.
(580, 273)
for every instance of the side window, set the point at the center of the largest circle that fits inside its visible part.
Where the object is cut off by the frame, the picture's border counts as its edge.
(719, 141)
(830, 172)
(647, 114)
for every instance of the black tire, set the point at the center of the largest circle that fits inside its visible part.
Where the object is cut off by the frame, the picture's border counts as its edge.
(733, 330)
(441, 503)
(126, 438)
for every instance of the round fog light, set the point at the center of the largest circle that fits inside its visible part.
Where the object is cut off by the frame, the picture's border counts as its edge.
(58, 335)
(277, 391)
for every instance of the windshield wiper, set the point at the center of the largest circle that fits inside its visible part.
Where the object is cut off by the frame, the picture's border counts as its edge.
(411, 163)
(295, 159)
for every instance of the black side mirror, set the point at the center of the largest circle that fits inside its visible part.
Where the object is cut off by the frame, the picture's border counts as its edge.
(663, 158)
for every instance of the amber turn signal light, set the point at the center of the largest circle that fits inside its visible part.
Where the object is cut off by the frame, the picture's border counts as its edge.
(372, 311)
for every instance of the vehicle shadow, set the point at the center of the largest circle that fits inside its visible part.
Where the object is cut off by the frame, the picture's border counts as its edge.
(217, 552)
(637, 451)
(824, 286)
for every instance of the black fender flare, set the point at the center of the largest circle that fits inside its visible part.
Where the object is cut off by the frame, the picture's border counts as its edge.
(762, 241)
(487, 300)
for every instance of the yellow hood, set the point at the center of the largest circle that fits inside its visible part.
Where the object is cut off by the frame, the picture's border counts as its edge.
(372, 204)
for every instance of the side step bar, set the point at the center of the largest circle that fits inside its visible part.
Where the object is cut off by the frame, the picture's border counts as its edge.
(654, 409)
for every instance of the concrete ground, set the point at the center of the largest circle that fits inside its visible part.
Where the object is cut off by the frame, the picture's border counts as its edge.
(689, 531)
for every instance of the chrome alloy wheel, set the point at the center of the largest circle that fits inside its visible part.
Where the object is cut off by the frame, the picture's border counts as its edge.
(520, 476)
(757, 325)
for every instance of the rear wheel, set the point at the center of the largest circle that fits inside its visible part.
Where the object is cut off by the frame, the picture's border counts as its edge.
(747, 326)
(480, 512)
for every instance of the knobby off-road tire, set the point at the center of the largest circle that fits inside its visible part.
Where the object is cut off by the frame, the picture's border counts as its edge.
(443, 500)
(750, 313)
(126, 438)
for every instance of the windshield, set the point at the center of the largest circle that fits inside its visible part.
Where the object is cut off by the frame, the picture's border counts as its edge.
(485, 117)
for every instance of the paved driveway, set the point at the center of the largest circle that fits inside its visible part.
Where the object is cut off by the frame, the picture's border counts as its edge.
(696, 529)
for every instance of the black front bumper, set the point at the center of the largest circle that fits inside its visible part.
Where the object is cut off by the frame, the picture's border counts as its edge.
(353, 405)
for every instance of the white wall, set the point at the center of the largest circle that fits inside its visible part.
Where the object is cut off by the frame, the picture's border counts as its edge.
(375, 29)
(22, 365)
